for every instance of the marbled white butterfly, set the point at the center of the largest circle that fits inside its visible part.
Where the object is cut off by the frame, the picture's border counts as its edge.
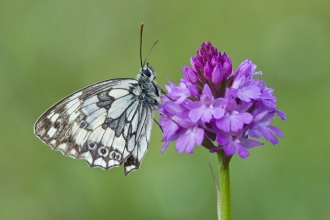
(107, 123)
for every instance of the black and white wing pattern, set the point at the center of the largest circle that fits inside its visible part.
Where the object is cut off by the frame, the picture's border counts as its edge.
(108, 123)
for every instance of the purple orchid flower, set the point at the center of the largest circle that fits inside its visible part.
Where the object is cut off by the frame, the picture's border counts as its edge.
(212, 102)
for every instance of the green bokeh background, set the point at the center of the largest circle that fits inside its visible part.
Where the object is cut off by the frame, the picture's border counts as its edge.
(49, 49)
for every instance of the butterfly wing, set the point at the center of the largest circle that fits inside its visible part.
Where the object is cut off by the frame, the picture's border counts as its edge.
(106, 123)
(143, 131)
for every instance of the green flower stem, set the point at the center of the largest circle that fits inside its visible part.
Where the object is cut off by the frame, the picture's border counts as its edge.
(224, 183)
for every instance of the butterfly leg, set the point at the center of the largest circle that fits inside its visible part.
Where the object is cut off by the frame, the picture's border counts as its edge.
(158, 125)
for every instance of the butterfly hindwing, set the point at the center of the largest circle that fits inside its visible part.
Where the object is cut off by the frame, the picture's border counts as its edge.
(106, 123)
(143, 139)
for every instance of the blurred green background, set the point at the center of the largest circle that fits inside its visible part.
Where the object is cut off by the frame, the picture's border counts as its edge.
(49, 49)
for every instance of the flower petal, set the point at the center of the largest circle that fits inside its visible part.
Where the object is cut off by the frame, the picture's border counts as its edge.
(181, 143)
(219, 102)
(248, 143)
(227, 66)
(195, 114)
(215, 149)
(199, 135)
(237, 120)
(189, 74)
(207, 70)
(222, 139)
(242, 152)
(218, 112)
(190, 146)
(223, 123)
(230, 148)
(207, 91)
(206, 114)
(267, 134)
(164, 147)
(217, 74)
(193, 105)
(275, 130)
(247, 93)
(281, 114)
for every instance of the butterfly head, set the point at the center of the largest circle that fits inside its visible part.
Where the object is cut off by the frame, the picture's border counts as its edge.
(147, 73)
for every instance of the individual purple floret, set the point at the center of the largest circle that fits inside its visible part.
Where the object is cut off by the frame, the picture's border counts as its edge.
(207, 108)
(212, 104)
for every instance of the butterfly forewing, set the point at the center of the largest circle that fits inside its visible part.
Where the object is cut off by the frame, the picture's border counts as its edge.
(108, 124)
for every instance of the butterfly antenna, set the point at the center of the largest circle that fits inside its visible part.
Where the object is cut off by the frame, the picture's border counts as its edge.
(152, 46)
(141, 30)
(144, 62)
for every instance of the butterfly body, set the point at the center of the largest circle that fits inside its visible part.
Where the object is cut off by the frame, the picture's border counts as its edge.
(107, 123)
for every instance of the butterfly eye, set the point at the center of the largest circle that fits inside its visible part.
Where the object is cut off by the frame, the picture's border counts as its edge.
(146, 73)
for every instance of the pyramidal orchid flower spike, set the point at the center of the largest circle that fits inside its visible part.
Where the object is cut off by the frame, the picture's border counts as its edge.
(218, 108)
(213, 104)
